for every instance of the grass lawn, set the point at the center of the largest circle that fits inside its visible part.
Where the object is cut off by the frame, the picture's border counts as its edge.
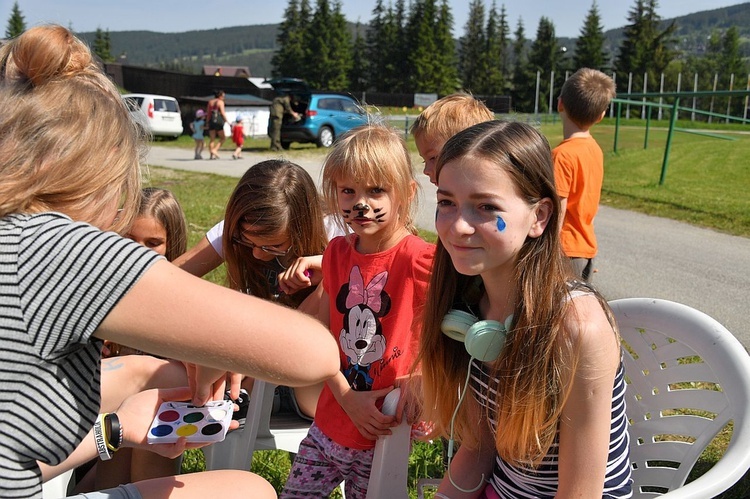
(706, 184)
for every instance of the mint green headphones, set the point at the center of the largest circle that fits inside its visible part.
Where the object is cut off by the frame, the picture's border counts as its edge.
(484, 340)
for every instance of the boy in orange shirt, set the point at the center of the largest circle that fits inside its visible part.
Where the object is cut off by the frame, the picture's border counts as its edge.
(579, 163)
(441, 120)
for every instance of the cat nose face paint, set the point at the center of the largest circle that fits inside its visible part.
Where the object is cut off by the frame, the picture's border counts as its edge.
(501, 224)
(361, 207)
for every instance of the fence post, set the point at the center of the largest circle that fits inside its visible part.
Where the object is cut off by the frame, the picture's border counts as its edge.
(536, 96)
(551, 90)
(661, 100)
(729, 99)
(744, 115)
(645, 90)
(630, 87)
(672, 121)
(711, 107)
(679, 82)
(614, 80)
(617, 124)
(695, 89)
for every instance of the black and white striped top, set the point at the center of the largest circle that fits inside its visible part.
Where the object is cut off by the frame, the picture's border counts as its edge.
(510, 481)
(58, 281)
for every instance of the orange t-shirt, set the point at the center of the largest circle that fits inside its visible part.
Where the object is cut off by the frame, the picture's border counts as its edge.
(375, 306)
(579, 173)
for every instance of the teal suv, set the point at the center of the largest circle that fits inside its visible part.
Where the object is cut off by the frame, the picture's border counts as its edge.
(324, 116)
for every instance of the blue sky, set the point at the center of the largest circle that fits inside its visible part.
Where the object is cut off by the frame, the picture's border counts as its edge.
(187, 15)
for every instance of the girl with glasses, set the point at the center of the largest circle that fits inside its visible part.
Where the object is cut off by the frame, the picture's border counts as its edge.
(273, 216)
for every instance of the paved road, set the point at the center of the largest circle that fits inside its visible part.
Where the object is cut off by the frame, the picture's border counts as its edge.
(639, 255)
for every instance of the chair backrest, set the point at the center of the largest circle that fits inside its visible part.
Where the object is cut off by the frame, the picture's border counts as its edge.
(390, 462)
(687, 378)
(59, 486)
(262, 431)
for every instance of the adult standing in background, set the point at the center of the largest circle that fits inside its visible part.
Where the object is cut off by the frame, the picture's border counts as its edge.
(280, 106)
(216, 120)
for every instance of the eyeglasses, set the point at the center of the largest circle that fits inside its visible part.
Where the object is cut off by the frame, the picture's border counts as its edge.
(271, 250)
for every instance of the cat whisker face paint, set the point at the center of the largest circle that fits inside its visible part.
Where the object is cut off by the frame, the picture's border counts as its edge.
(501, 225)
(360, 211)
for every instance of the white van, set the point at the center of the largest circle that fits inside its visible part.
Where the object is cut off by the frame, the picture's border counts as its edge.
(160, 114)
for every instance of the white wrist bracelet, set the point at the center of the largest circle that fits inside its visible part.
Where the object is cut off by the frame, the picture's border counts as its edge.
(101, 439)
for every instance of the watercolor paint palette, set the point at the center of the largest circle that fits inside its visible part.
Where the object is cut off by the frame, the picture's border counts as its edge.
(198, 424)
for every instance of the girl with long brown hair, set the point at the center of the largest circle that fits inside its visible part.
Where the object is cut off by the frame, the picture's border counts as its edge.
(520, 363)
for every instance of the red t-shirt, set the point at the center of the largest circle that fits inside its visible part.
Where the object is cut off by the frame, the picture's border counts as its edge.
(238, 134)
(579, 173)
(375, 305)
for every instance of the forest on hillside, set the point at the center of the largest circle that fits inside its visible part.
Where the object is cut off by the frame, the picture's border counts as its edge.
(254, 46)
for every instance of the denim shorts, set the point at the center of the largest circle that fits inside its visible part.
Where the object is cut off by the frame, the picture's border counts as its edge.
(127, 491)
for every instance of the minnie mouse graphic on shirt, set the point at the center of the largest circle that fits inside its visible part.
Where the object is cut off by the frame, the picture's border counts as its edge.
(361, 337)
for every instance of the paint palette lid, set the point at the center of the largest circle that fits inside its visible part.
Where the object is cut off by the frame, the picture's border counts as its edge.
(198, 424)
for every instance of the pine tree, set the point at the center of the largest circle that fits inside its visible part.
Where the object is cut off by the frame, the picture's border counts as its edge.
(340, 55)
(359, 72)
(446, 73)
(524, 80)
(290, 56)
(472, 54)
(382, 43)
(103, 45)
(421, 48)
(590, 51)
(16, 22)
(732, 63)
(496, 51)
(545, 57)
(317, 37)
(645, 48)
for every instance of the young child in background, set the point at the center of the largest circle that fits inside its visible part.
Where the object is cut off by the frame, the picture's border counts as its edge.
(579, 164)
(161, 226)
(545, 411)
(238, 137)
(196, 129)
(160, 223)
(374, 283)
(441, 120)
(273, 216)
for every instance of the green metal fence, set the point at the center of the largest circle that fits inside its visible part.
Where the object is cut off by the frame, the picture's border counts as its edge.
(675, 109)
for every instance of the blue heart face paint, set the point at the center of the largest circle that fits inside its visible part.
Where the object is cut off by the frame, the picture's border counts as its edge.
(501, 224)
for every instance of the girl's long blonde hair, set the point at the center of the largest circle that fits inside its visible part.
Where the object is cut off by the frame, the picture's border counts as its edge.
(68, 143)
(530, 369)
(374, 154)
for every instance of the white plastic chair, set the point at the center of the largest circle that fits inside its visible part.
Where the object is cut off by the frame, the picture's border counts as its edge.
(261, 432)
(677, 361)
(58, 486)
(390, 462)
(678, 358)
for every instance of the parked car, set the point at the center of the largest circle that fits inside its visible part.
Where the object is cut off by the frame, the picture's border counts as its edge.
(324, 116)
(160, 114)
